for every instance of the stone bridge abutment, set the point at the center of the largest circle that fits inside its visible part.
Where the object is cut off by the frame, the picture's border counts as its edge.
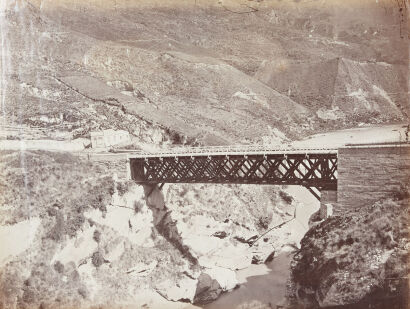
(366, 174)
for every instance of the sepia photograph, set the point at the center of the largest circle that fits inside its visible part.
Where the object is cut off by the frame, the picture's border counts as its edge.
(204, 154)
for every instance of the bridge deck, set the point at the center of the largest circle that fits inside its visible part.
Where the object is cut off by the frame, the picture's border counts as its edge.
(226, 150)
(237, 164)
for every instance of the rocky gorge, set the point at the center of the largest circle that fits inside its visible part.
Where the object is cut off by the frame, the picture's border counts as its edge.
(76, 233)
(115, 237)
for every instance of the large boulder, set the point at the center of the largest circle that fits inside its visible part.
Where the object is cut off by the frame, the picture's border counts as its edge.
(207, 290)
(212, 282)
(180, 290)
(225, 277)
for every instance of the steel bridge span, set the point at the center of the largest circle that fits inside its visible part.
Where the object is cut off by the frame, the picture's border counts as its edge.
(315, 169)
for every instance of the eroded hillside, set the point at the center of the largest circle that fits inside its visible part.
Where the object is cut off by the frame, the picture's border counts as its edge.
(214, 73)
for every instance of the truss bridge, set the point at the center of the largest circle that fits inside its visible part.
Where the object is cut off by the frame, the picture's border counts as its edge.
(315, 169)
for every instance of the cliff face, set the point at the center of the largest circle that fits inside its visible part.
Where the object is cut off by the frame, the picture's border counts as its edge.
(360, 258)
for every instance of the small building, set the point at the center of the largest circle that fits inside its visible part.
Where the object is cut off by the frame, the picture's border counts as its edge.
(110, 137)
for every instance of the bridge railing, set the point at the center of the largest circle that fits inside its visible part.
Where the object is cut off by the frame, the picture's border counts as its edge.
(225, 150)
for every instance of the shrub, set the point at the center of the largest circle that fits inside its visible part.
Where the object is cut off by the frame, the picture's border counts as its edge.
(56, 233)
(184, 191)
(138, 205)
(286, 197)
(74, 223)
(263, 222)
(102, 208)
(51, 211)
(97, 259)
(97, 236)
(111, 190)
(29, 295)
(122, 188)
(83, 292)
(58, 267)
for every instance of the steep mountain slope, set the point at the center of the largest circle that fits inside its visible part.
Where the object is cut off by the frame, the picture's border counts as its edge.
(341, 88)
(202, 65)
(230, 101)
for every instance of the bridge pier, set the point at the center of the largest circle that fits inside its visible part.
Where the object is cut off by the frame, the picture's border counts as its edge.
(328, 204)
(153, 195)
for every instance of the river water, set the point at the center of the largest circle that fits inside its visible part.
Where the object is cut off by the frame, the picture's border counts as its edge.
(262, 286)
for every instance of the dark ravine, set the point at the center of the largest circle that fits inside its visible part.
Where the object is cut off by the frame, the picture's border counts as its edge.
(164, 223)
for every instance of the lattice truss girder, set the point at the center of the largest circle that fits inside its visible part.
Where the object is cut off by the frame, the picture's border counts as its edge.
(315, 170)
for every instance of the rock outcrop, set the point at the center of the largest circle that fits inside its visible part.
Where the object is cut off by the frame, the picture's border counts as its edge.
(355, 259)
(207, 290)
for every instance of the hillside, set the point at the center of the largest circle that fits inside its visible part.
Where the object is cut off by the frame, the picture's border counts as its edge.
(342, 89)
(208, 73)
